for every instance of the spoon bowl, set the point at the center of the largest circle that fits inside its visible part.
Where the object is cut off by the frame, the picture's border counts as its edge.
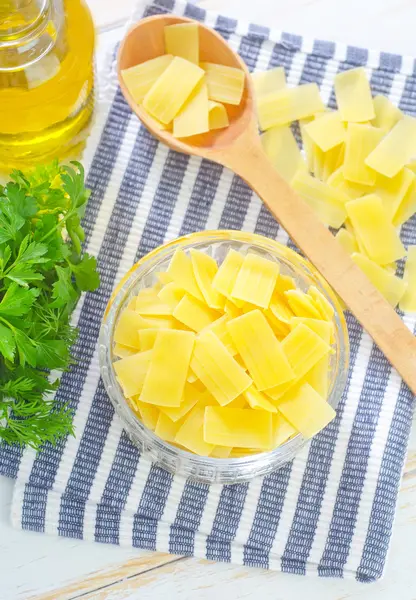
(145, 41)
(238, 147)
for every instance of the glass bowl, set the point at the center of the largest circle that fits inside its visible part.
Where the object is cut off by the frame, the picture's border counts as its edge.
(144, 274)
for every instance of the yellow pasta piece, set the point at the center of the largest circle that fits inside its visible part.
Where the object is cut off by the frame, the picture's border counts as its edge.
(324, 307)
(131, 372)
(255, 280)
(306, 410)
(260, 350)
(347, 241)
(225, 84)
(219, 328)
(282, 430)
(205, 268)
(217, 369)
(257, 400)
(123, 351)
(152, 306)
(309, 148)
(301, 305)
(190, 397)
(171, 294)
(288, 105)
(194, 314)
(217, 115)
(172, 89)
(353, 95)
(284, 283)
(407, 207)
(396, 149)
(193, 118)
(232, 310)
(147, 338)
(280, 326)
(181, 271)
(182, 39)
(164, 277)
(280, 307)
(361, 141)
(238, 427)
(324, 329)
(328, 131)
(374, 229)
(408, 300)
(303, 348)
(390, 286)
(332, 160)
(387, 114)
(165, 428)
(266, 82)
(350, 189)
(140, 78)
(278, 391)
(191, 432)
(317, 377)
(392, 190)
(166, 376)
(149, 414)
(126, 330)
(221, 452)
(326, 201)
(227, 273)
(283, 151)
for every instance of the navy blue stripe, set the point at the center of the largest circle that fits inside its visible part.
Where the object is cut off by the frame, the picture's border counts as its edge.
(268, 511)
(164, 203)
(256, 557)
(195, 12)
(34, 508)
(227, 519)
(10, 457)
(92, 444)
(357, 56)
(107, 524)
(155, 493)
(188, 517)
(408, 99)
(202, 197)
(46, 464)
(71, 517)
(144, 533)
(384, 505)
(122, 472)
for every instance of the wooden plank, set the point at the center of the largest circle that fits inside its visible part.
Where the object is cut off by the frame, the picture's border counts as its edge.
(119, 576)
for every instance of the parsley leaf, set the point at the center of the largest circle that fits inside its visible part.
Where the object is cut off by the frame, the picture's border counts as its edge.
(42, 274)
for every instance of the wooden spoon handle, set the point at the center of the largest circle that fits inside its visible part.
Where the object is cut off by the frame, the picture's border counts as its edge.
(320, 247)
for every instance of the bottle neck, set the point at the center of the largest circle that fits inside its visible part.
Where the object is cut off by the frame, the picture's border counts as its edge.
(28, 31)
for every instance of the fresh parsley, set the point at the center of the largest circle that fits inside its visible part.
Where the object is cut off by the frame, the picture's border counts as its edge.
(42, 274)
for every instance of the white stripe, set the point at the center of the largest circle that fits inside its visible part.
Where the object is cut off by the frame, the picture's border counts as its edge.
(169, 513)
(138, 485)
(90, 519)
(296, 69)
(358, 373)
(246, 520)
(221, 194)
(106, 460)
(340, 53)
(52, 511)
(373, 60)
(288, 509)
(17, 505)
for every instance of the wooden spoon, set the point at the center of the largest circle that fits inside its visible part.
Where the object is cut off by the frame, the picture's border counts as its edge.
(238, 147)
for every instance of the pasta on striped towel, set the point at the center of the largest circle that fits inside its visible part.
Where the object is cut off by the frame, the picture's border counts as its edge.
(330, 511)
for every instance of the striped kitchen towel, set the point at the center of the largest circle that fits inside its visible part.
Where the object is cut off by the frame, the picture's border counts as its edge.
(330, 512)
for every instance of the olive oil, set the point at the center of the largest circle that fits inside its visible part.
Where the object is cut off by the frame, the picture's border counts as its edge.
(46, 80)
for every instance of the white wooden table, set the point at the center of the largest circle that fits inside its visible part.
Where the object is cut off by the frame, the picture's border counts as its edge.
(39, 567)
